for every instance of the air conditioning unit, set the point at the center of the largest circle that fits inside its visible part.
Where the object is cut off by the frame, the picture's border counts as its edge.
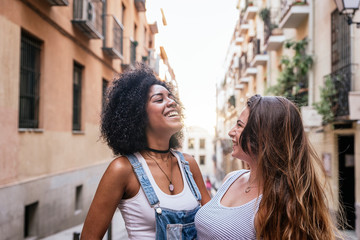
(354, 105)
(85, 17)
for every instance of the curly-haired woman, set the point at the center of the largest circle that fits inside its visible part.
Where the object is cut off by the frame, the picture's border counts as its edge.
(282, 196)
(155, 187)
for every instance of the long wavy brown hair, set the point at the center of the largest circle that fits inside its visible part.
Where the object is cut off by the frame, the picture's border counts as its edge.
(294, 204)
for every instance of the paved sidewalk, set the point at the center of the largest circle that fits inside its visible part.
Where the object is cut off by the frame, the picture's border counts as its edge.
(118, 230)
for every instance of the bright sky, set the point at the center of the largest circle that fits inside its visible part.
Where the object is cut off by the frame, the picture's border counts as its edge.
(196, 39)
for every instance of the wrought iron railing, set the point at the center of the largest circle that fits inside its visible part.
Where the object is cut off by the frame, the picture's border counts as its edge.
(113, 42)
(267, 29)
(255, 46)
(243, 64)
(287, 4)
(133, 45)
(342, 82)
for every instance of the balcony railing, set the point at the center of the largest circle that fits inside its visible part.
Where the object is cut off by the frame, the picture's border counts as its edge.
(255, 47)
(243, 65)
(267, 29)
(133, 45)
(342, 83)
(293, 13)
(113, 43)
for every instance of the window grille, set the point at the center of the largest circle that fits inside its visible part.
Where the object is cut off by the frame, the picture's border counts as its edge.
(77, 82)
(105, 85)
(340, 63)
(29, 81)
(133, 52)
(340, 42)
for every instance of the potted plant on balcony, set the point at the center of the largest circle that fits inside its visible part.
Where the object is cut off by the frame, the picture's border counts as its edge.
(264, 14)
(328, 96)
(292, 81)
(250, 3)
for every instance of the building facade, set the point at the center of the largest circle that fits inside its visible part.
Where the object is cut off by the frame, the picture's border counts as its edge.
(328, 48)
(57, 58)
(198, 142)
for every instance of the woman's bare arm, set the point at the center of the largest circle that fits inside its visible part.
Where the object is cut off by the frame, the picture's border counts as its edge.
(108, 195)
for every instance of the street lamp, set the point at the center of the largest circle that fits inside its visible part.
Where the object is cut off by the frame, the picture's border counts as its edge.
(348, 8)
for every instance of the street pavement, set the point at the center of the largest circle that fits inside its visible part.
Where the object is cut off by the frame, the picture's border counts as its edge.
(118, 230)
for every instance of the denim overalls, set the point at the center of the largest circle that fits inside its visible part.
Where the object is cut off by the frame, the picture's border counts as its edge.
(170, 224)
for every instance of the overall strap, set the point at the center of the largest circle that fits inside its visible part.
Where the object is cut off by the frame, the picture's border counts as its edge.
(143, 180)
(189, 177)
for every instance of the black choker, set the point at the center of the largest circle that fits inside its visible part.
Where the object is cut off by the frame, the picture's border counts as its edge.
(158, 151)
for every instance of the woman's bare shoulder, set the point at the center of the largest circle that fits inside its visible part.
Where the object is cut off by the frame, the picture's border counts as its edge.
(120, 167)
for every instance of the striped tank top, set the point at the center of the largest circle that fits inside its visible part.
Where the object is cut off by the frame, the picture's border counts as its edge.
(215, 221)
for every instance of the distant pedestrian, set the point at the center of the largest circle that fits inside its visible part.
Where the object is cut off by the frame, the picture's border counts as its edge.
(282, 196)
(151, 183)
(208, 185)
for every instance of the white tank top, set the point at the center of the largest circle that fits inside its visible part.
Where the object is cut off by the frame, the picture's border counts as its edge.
(137, 213)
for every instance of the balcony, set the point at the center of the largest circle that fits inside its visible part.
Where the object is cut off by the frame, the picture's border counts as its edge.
(250, 71)
(154, 28)
(153, 60)
(342, 82)
(239, 40)
(140, 5)
(250, 12)
(113, 43)
(244, 80)
(58, 2)
(275, 40)
(259, 59)
(88, 17)
(244, 28)
(293, 13)
(239, 86)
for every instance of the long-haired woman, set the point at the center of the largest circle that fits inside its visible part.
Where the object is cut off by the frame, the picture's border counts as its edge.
(157, 189)
(283, 195)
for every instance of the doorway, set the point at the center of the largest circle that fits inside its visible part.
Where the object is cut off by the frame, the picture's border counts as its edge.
(347, 178)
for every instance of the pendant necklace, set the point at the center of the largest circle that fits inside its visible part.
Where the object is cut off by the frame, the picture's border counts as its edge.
(248, 188)
(171, 186)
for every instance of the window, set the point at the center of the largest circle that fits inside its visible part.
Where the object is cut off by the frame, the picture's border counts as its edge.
(123, 9)
(77, 81)
(191, 143)
(30, 220)
(202, 160)
(29, 81)
(340, 42)
(133, 45)
(105, 85)
(202, 143)
(78, 198)
(145, 36)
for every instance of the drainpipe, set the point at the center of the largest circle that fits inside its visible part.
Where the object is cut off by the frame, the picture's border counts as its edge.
(104, 23)
(311, 51)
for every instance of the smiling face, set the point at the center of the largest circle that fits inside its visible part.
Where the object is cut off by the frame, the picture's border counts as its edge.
(235, 134)
(163, 111)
